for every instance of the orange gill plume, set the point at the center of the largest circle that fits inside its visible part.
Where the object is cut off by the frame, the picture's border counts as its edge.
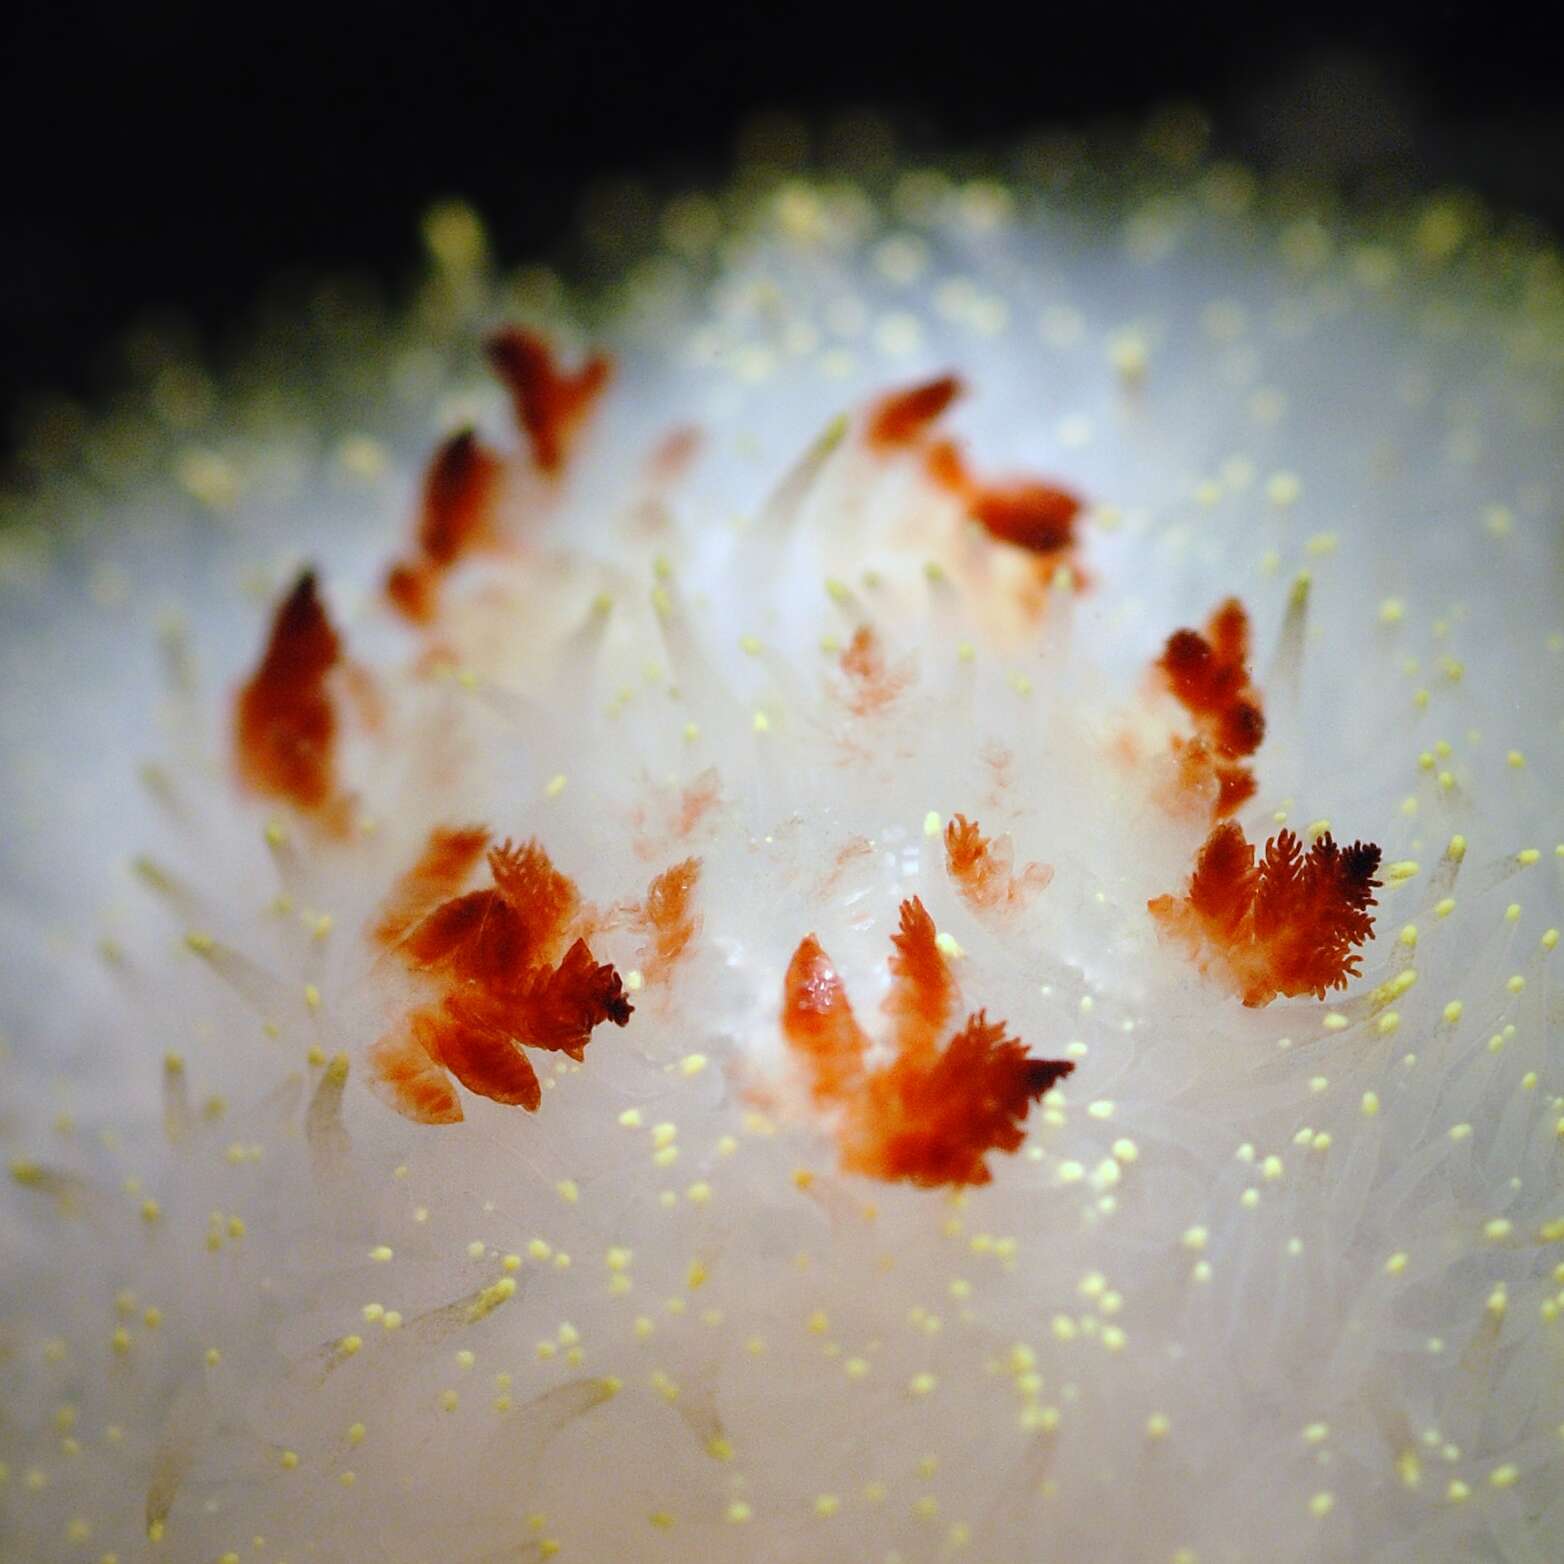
(1034, 515)
(982, 868)
(460, 505)
(1291, 924)
(550, 403)
(286, 717)
(456, 515)
(871, 684)
(1208, 675)
(901, 420)
(931, 1115)
(1287, 925)
(448, 859)
(669, 919)
(500, 972)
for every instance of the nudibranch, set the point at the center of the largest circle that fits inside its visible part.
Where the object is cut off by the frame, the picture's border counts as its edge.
(899, 905)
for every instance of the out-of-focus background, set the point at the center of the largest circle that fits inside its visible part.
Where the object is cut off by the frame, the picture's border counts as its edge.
(186, 153)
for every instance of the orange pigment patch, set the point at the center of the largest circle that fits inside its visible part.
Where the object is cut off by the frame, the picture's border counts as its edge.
(669, 918)
(1208, 675)
(674, 455)
(674, 817)
(493, 961)
(872, 686)
(947, 469)
(902, 418)
(551, 404)
(285, 721)
(932, 1114)
(853, 851)
(981, 868)
(437, 659)
(456, 516)
(413, 590)
(365, 696)
(697, 801)
(1287, 925)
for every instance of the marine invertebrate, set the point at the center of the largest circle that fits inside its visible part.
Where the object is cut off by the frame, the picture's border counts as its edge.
(389, 1186)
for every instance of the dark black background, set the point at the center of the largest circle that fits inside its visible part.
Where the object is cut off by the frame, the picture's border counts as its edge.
(184, 153)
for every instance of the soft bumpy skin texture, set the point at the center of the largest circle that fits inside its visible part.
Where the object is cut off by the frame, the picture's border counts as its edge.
(701, 1175)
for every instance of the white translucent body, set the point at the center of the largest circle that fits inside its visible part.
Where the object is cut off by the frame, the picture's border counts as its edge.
(1265, 1285)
